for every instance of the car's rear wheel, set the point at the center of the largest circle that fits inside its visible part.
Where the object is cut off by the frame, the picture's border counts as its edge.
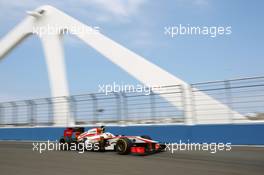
(62, 144)
(123, 146)
(101, 145)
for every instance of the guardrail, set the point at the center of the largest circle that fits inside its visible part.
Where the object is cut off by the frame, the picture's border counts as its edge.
(245, 96)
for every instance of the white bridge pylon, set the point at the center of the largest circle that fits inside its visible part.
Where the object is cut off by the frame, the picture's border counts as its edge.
(146, 72)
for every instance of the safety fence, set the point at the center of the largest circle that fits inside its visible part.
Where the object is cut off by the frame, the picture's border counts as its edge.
(244, 96)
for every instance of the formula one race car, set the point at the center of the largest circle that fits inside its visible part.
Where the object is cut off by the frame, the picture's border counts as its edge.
(97, 139)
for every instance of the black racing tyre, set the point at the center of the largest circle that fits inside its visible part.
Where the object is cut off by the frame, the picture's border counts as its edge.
(101, 145)
(62, 144)
(146, 137)
(62, 140)
(123, 146)
(162, 147)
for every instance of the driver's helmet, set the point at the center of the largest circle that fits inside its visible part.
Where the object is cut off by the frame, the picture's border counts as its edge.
(102, 129)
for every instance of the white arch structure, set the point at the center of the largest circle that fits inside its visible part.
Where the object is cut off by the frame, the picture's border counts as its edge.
(138, 67)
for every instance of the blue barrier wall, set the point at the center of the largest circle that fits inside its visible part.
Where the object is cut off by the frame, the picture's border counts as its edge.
(251, 134)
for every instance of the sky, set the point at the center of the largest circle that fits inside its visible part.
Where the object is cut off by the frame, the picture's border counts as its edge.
(139, 26)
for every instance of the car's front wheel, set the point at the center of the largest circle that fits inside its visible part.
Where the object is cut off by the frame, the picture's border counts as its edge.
(123, 146)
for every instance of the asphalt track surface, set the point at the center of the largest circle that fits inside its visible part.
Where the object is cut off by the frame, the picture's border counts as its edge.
(20, 159)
